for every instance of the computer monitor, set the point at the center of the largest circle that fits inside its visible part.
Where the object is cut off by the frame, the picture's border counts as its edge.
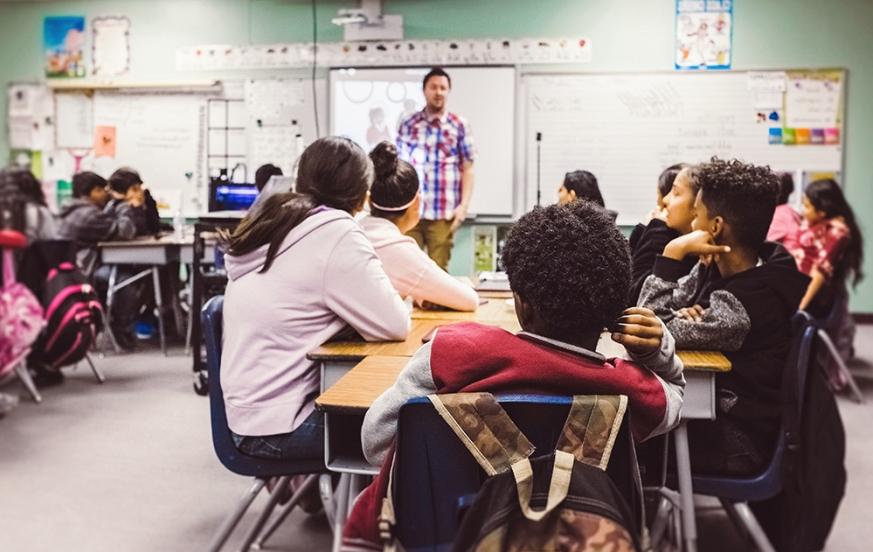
(231, 196)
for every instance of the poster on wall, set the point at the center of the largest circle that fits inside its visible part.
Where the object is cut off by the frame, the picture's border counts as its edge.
(704, 30)
(64, 45)
(110, 46)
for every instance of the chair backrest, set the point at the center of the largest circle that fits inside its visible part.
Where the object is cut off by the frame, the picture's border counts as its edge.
(434, 471)
(225, 449)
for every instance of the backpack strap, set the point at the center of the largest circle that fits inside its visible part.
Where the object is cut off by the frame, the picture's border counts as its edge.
(591, 428)
(485, 429)
(559, 485)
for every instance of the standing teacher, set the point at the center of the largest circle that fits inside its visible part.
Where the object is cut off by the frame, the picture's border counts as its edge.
(439, 145)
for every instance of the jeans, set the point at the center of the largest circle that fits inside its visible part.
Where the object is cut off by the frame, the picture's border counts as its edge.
(304, 443)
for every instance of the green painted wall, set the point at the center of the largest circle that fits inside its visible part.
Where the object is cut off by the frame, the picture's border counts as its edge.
(627, 35)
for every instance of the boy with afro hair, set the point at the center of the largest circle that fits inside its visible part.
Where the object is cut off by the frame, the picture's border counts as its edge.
(738, 299)
(569, 271)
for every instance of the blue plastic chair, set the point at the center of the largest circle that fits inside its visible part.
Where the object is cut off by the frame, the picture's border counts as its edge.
(436, 477)
(736, 492)
(234, 460)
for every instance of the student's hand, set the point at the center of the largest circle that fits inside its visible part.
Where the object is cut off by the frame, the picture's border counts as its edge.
(135, 197)
(458, 217)
(639, 330)
(692, 314)
(658, 214)
(698, 242)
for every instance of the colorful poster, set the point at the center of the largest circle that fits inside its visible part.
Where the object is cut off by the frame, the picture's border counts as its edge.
(64, 43)
(703, 34)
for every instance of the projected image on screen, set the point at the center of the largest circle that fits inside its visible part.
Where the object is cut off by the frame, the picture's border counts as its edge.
(371, 111)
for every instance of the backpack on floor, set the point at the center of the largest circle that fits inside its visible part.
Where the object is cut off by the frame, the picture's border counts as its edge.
(73, 316)
(560, 501)
(21, 317)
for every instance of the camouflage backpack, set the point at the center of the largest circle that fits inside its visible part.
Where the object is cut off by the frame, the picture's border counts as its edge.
(520, 507)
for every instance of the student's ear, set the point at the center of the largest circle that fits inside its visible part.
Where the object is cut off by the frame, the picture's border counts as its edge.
(572, 194)
(523, 312)
(717, 227)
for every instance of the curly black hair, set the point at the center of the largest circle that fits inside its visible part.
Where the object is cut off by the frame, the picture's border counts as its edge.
(743, 194)
(571, 264)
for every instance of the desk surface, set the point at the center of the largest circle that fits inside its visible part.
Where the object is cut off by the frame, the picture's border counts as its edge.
(148, 241)
(496, 311)
(361, 385)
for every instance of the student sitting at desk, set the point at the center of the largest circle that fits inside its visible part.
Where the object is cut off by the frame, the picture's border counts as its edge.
(582, 185)
(740, 299)
(300, 270)
(87, 221)
(126, 186)
(394, 210)
(569, 271)
(677, 190)
(39, 223)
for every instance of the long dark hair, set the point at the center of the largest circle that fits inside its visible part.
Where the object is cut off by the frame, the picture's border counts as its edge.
(27, 184)
(585, 185)
(396, 182)
(334, 172)
(667, 176)
(827, 196)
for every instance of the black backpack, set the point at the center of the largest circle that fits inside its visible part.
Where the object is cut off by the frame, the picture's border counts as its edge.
(73, 313)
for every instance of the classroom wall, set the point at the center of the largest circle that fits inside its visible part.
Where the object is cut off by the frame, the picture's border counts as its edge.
(627, 35)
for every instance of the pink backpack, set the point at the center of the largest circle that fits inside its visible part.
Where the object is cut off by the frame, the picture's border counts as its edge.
(21, 316)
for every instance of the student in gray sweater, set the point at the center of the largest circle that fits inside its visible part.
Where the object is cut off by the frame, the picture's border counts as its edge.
(738, 299)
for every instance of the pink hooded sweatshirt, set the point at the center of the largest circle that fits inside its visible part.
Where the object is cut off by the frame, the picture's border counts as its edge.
(325, 275)
(412, 272)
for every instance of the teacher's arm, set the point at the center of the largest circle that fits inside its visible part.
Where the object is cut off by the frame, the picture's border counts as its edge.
(467, 180)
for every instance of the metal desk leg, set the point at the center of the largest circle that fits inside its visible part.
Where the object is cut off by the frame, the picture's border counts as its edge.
(110, 300)
(686, 493)
(156, 281)
(342, 507)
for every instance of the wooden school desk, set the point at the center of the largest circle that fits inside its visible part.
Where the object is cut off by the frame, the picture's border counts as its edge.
(348, 395)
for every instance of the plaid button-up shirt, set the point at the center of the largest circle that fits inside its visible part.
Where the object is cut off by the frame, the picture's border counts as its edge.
(438, 148)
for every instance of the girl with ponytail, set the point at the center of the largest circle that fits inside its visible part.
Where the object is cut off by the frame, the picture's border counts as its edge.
(394, 210)
(300, 270)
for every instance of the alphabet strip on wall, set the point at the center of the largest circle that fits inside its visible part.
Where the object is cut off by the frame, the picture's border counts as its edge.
(389, 53)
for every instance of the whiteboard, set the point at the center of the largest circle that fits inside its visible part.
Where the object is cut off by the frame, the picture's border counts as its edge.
(74, 120)
(162, 137)
(484, 96)
(626, 128)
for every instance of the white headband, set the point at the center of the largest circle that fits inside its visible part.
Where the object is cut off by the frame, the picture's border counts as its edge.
(393, 209)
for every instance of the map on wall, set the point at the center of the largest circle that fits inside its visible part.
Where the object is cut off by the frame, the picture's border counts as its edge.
(703, 34)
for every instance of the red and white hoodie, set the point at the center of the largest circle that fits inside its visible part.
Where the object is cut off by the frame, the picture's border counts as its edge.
(469, 357)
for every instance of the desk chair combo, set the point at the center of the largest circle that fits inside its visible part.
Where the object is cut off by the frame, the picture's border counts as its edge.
(261, 469)
(832, 323)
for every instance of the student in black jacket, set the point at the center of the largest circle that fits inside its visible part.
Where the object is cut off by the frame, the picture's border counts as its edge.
(126, 186)
(670, 219)
(738, 299)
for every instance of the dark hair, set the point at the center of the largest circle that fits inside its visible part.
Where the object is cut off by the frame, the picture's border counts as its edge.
(27, 184)
(86, 181)
(435, 72)
(585, 185)
(571, 264)
(786, 188)
(264, 173)
(667, 176)
(123, 179)
(827, 196)
(743, 194)
(12, 201)
(396, 181)
(332, 171)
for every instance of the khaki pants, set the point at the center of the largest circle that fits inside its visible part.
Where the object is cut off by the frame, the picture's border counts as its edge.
(434, 236)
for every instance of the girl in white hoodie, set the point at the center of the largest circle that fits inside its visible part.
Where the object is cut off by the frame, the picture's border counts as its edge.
(394, 210)
(300, 270)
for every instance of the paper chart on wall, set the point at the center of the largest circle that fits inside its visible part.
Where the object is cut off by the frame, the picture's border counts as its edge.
(30, 116)
(703, 34)
(273, 101)
(110, 46)
(812, 102)
(74, 120)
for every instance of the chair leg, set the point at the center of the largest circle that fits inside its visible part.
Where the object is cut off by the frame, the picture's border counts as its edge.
(107, 315)
(232, 520)
(97, 372)
(24, 376)
(342, 504)
(841, 366)
(159, 308)
(278, 520)
(325, 489)
(268, 509)
(735, 518)
(686, 493)
(744, 513)
(659, 524)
